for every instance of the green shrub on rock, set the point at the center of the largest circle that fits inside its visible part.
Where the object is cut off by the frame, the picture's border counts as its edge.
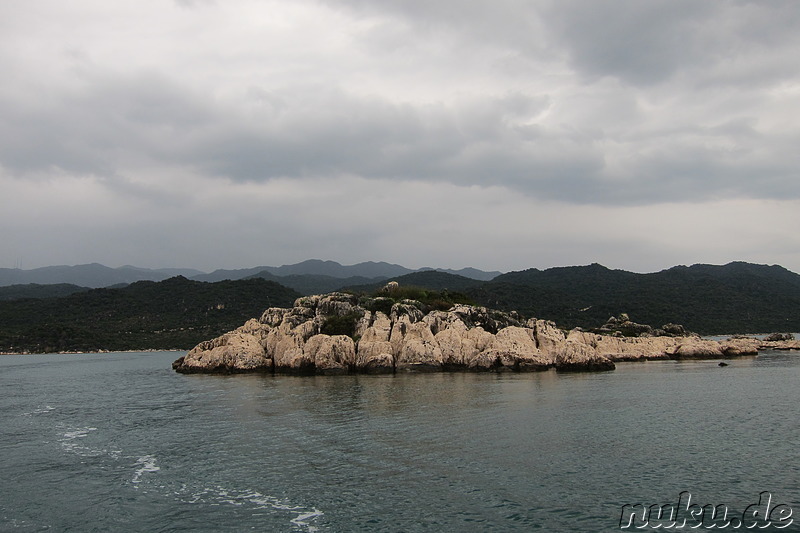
(341, 324)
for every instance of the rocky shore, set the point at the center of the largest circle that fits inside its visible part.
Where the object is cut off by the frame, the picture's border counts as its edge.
(341, 333)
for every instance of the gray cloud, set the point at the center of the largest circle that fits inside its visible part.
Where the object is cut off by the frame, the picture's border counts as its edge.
(100, 127)
(641, 43)
(568, 104)
(120, 124)
(193, 3)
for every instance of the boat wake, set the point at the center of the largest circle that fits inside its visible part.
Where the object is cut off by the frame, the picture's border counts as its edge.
(304, 518)
(77, 441)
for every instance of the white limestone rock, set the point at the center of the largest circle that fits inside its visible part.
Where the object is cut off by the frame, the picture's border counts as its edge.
(579, 357)
(331, 354)
(240, 350)
(415, 347)
(513, 348)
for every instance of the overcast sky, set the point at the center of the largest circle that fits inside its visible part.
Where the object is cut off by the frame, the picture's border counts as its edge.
(502, 134)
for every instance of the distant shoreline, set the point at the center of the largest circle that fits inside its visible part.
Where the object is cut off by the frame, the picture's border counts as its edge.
(97, 352)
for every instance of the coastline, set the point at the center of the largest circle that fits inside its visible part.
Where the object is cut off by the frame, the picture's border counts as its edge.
(139, 350)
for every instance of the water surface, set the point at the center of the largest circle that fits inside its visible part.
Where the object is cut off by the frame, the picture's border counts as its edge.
(119, 442)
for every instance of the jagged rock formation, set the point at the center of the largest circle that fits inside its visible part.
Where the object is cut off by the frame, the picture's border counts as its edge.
(780, 345)
(342, 333)
(623, 326)
(775, 337)
(779, 341)
(773, 341)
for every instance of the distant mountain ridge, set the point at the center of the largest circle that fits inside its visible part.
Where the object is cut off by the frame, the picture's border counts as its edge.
(313, 267)
(469, 272)
(95, 275)
(92, 275)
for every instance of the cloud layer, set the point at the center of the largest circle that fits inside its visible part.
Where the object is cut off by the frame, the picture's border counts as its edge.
(501, 134)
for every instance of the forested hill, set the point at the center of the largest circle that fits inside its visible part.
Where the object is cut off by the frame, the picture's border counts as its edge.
(36, 290)
(179, 313)
(734, 298)
(175, 313)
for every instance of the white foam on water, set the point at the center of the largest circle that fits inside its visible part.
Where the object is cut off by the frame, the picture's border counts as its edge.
(71, 443)
(147, 464)
(303, 518)
(78, 433)
(40, 411)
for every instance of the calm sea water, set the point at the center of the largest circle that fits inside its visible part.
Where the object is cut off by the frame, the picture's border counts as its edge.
(119, 442)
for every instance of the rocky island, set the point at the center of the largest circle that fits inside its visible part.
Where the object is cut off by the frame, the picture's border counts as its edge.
(341, 333)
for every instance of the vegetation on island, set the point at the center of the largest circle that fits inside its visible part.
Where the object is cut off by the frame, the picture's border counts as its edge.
(384, 300)
(426, 299)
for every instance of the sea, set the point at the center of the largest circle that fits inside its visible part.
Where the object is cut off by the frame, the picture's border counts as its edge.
(120, 442)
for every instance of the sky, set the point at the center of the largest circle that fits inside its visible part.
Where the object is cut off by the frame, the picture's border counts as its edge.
(502, 134)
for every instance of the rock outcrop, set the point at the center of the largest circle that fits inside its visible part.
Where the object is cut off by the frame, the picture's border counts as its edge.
(342, 333)
(776, 337)
(623, 326)
(780, 345)
(773, 341)
(780, 341)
